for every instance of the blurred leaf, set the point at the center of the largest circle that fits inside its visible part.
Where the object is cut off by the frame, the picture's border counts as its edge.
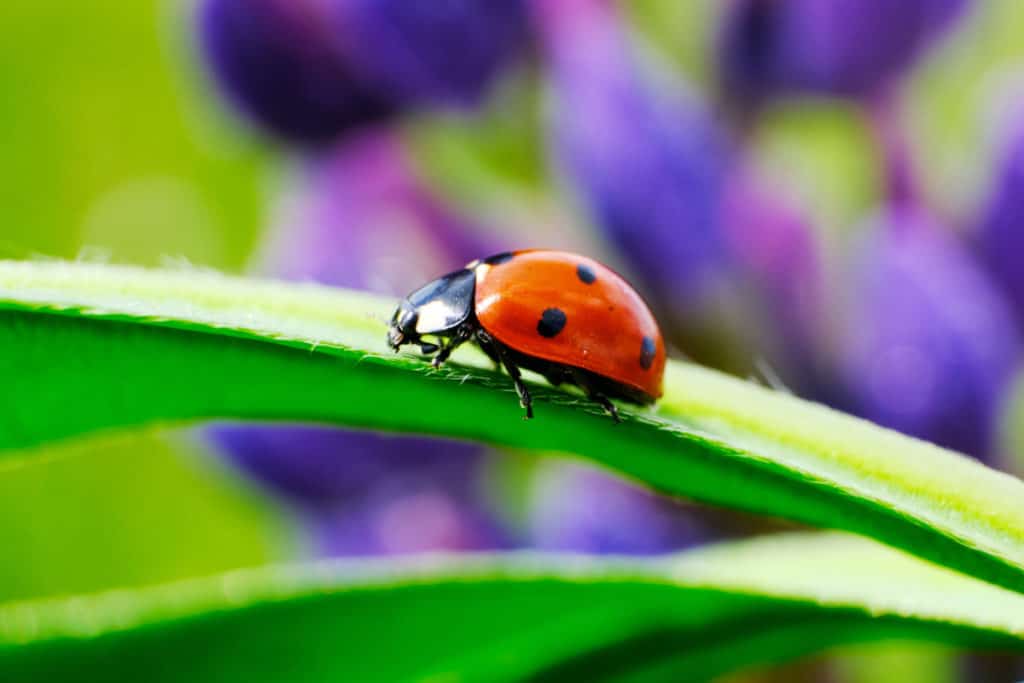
(88, 347)
(132, 510)
(496, 150)
(494, 617)
(682, 32)
(822, 152)
(896, 662)
(112, 143)
(959, 103)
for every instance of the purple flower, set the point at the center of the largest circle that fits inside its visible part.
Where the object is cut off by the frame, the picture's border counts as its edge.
(311, 70)
(326, 465)
(351, 210)
(408, 517)
(281, 64)
(847, 48)
(648, 163)
(433, 52)
(1001, 234)
(664, 184)
(364, 492)
(581, 509)
(929, 344)
(774, 252)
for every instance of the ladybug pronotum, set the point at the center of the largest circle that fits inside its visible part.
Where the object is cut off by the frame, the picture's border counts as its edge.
(564, 316)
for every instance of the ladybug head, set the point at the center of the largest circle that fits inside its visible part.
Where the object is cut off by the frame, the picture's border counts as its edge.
(437, 308)
(402, 329)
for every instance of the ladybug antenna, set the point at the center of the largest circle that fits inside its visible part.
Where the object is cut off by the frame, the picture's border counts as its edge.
(767, 375)
(377, 317)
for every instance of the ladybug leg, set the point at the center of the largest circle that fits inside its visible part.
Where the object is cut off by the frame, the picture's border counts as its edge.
(603, 401)
(446, 350)
(525, 400)
(461, 337)
(492, 354)
(583, 382)
(496, 351)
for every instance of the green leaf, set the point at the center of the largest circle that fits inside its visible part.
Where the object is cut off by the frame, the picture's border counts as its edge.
(684, 617)
(87, 347)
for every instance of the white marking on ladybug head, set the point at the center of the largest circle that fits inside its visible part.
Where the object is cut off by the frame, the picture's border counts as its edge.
(480, 270)
(435, 316)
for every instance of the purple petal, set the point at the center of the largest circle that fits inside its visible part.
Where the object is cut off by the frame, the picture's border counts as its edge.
(775, 251)
(363, 218)
(279, 63)
(648, 164)
(424, 516)
(317, 467)
(852, 48)
(367, 493)
(929, 345)
(1001, 235)
(426, 51)
(580, 509)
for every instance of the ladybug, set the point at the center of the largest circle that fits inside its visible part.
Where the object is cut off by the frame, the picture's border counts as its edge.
(564, 316)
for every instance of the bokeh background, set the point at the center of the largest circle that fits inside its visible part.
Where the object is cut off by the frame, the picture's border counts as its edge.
(819, 196)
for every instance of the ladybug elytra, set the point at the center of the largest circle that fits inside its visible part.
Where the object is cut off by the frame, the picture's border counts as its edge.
(564, 316)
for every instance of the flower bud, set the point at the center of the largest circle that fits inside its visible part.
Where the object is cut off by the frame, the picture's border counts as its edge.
(280, 62)
(775, 253)
(352, 209)
(929, 346)
(581, 509)
(446, 53)
(1001, 233)
(648, 164)
(845, 48)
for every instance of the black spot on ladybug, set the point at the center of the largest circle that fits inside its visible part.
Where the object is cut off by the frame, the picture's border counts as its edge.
(585, 274)
(552, 320)
(497, 259)
(647, 349)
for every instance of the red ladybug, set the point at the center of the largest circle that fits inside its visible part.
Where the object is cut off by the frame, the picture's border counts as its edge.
(564, 316)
